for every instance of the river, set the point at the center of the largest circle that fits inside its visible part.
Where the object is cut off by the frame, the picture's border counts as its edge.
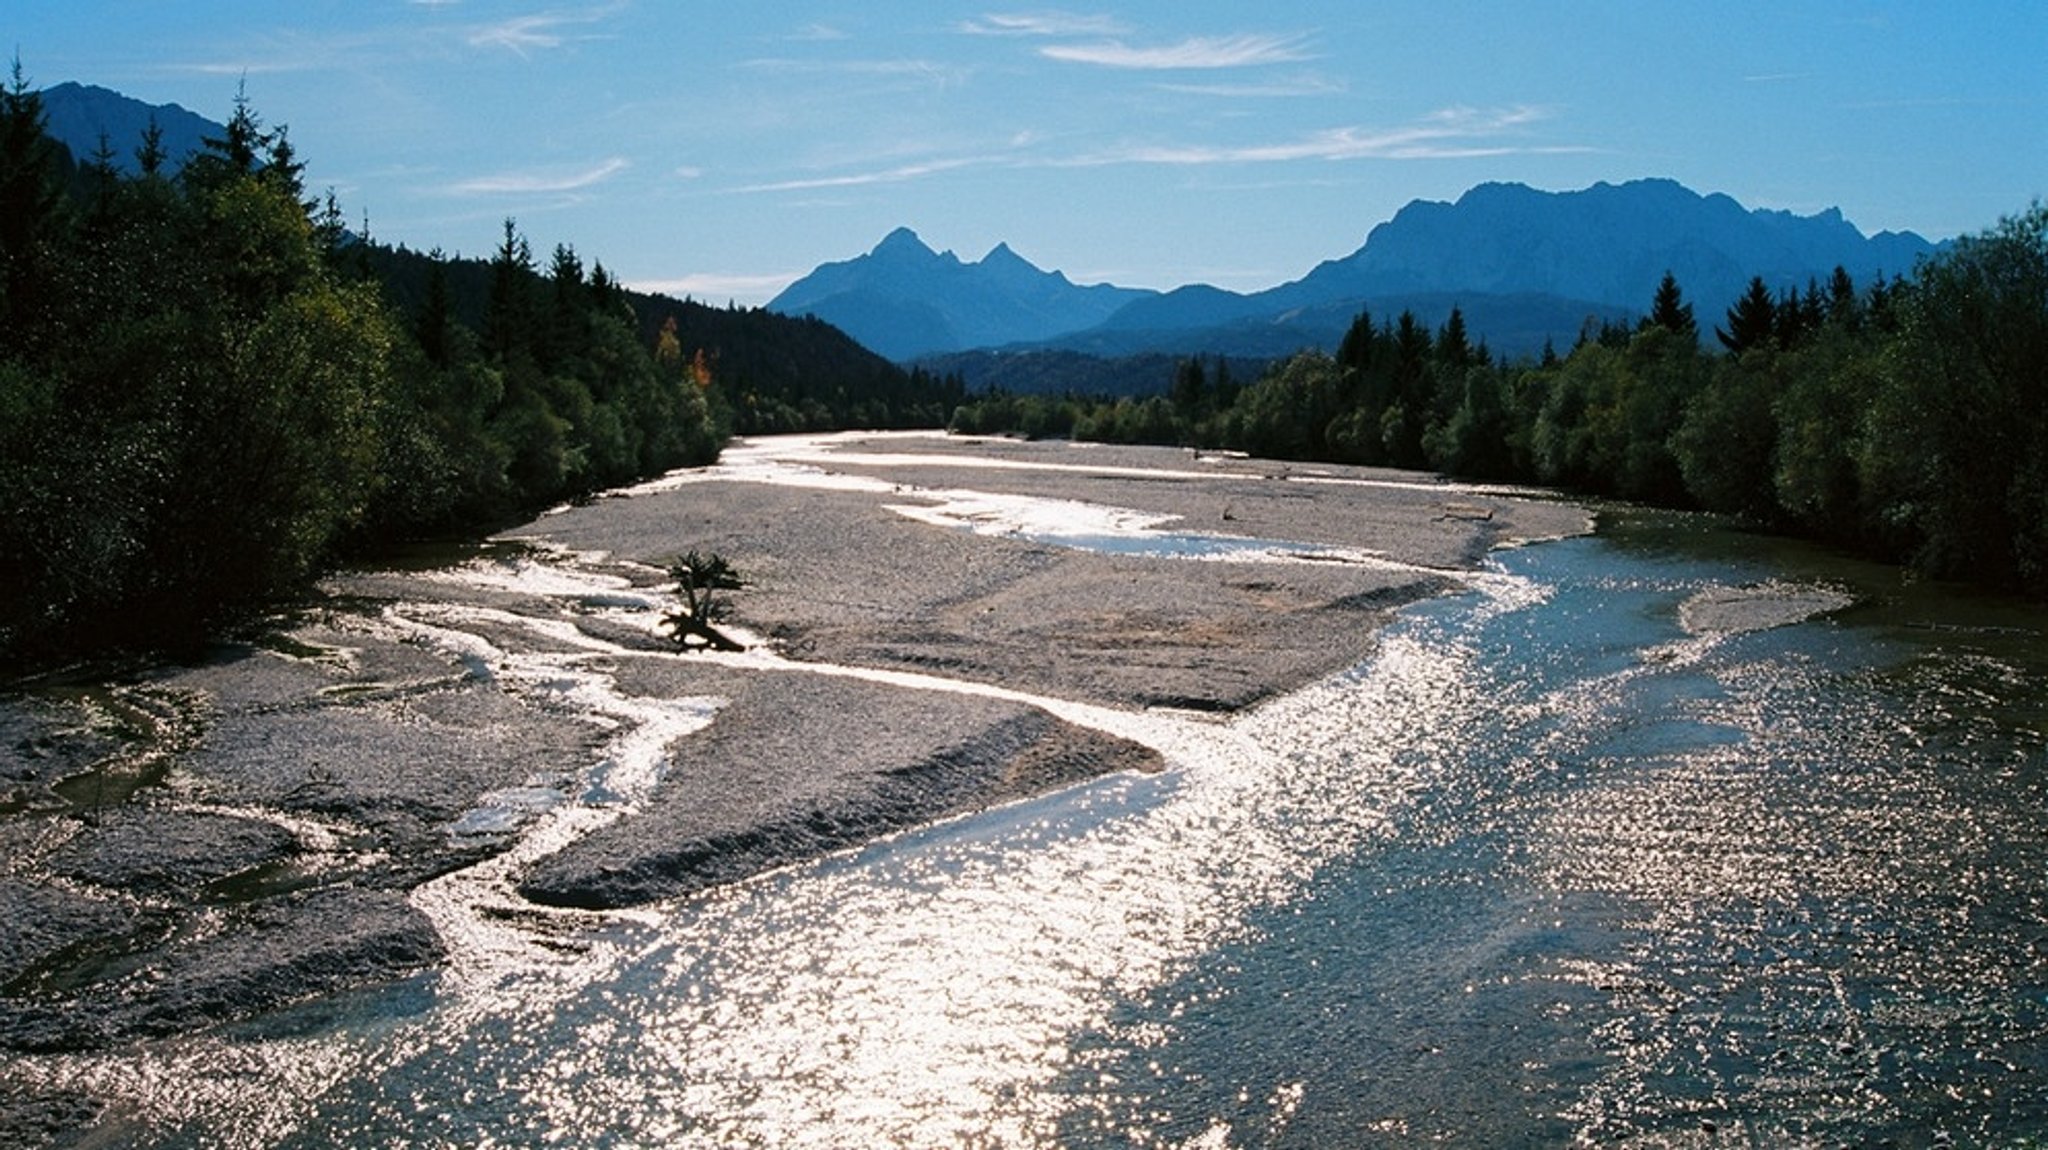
(1547, 868)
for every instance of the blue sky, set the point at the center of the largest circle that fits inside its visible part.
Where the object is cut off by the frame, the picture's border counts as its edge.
(723, 149)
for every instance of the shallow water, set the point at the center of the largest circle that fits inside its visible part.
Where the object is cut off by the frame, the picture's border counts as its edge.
(1547, 868)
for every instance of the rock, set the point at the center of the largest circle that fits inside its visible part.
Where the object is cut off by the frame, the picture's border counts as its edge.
(44, 919)
(255, 959)
(1757, 607)
(154, 851)
(798, 765)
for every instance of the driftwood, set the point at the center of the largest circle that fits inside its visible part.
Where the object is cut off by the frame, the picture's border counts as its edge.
(1466, 511)
(693, 624)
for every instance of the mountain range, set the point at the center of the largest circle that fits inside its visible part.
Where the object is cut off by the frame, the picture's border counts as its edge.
(909, 300)
(1522, 265)
(81, 116)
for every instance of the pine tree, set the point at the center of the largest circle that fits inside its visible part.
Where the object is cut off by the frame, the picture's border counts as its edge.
(1670, 311)
(1752, 319)
(565, 336)
(1453, 346)
(508, 309)
(235, 152)
(604, 291)
(31, 208)
(103, 185)
(1843, 305)
(149, 155)
(1191, 389)
(1791, 319)
(436, 318)
(284, 170)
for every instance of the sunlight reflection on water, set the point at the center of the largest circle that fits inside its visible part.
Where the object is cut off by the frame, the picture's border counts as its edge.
(917, 992)
(1546, 868)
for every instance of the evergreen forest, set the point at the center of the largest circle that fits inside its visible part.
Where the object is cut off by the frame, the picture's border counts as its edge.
(1905, 418)
(211, 389)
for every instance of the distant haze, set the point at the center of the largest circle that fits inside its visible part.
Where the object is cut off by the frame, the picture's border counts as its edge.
(1524, 266)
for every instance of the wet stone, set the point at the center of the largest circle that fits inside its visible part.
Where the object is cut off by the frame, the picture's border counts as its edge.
(147, 851)
(231, 966)
(795, 766)
(46, 919)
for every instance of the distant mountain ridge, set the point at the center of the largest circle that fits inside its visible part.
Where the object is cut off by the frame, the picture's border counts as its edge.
(903, 299)
(81, 115)
(1609, 243)
(1524, 266)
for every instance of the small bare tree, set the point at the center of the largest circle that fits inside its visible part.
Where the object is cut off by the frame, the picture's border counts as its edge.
(699, 578)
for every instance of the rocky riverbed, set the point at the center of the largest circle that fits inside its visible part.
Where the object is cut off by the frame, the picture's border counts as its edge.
(932, 622)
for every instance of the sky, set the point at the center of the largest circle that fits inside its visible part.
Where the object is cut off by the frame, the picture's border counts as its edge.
(722, 150)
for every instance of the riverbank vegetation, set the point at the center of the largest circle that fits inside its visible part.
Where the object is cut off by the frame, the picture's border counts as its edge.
(1905, 418)
(211, 389)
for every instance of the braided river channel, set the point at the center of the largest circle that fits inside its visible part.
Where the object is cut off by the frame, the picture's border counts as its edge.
(1552, 866)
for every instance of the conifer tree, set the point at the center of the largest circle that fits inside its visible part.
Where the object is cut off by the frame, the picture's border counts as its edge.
(1453, 345)
(1752, 319)
(32, 207)
(235, 152)
(149, 154)
(1843, 305)
(1669, 310)
(1190, 389)
(508, 308)
(436, 317)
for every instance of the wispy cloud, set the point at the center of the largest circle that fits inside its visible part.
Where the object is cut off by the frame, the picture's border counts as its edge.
(1195, 52)
(1043, 24)
(528, 183)
(1453, 133)
(1276, 89)
(245, 67)
(902, 173)
(816, 34)
(525, 35)
(941, 74)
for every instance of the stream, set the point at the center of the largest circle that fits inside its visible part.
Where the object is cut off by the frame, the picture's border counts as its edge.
(1550, 867)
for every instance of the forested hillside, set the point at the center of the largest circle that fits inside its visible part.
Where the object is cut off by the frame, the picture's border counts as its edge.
(1907, 418)
(769, 372)
(210, 389)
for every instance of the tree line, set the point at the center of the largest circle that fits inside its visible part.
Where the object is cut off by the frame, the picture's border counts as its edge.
(211, 389)
(1906, 418)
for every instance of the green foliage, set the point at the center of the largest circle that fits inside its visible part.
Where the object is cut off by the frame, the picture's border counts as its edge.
(1575, 441)
(1752, 319)
(1956, 455)
(1288, 413)
(1909, 420)
(1725, 448)
(210, 390)
(204, 401)
(1477, 439)
(1669, 311)
(32, 212)
(694, 623)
